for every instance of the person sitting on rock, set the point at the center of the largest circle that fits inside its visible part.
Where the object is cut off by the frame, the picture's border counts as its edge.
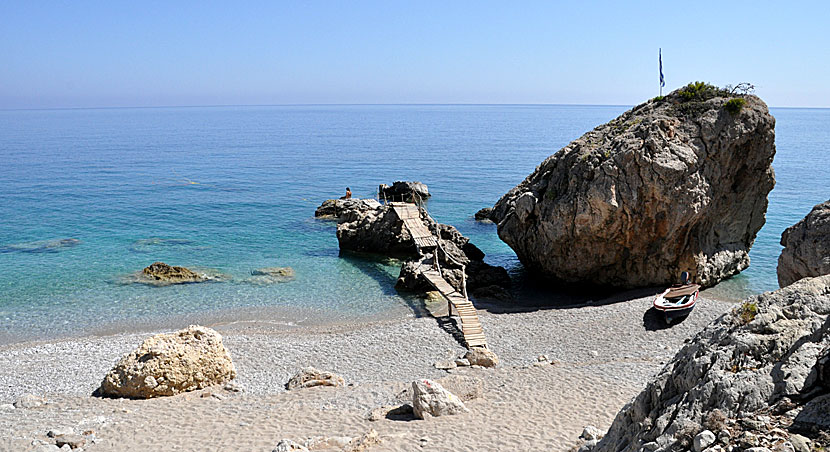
(348, 194)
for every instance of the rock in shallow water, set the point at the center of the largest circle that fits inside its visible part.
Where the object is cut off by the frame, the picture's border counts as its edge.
(169, 364)
(43, 246)
(806, 247)
(662, 189)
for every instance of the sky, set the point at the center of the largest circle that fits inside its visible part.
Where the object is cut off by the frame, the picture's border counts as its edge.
(77, 54)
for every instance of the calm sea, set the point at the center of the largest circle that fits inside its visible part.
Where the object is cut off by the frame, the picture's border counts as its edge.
(235, 188)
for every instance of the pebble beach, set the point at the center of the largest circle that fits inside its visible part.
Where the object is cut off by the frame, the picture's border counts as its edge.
(560, 370)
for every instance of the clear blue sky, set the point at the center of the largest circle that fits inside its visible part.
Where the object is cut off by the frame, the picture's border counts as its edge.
(146, 53)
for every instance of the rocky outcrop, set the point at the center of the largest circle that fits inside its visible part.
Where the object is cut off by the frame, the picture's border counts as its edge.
(380, 231)
(744, 378)
(671, 185)
(806, 247)
(169, 364)
(163, 273)
(483, 215)
(333, 209)
(404, 192)
(309, 377)
(430, 399)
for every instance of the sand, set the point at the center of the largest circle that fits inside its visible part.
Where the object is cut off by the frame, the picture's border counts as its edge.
(603, 354)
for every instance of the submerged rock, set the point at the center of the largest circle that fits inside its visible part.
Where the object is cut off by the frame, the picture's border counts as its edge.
(669, 186)
(758, 372)
(404, 191)
(43, 246)
(169, 364)
(161, 274)
(806, 247)
(271, 275)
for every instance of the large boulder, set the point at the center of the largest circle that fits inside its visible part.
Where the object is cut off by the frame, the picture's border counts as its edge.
(762, 360)
(334, 209)
(671, 185)
(430, 399)
(404, 191)
(806, 247)
(169, 364)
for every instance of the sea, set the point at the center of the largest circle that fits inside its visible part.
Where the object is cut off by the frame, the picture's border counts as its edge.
(88, 197)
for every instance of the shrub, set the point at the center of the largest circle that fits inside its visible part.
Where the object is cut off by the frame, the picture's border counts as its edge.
(747, 311)
(658, 98)
(700, 92)
(734, 106)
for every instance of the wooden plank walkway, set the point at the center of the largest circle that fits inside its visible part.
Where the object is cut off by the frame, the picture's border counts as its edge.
(412, 221)
(470, 325)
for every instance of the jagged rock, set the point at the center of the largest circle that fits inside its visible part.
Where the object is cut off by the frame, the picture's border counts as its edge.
(806, 247)
(590, 433)
(740, 366)
(667, 187)
(337, 208)
(163, 272)
(479, 356)
(430, 399)
(309, 377)
(42, 246)
(169, 364)
(286, 445)
(404, 191)
(483, 215)
(464, 387)
(703, 440)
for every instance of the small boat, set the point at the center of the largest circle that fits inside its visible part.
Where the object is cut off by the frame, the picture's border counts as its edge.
(678, 301)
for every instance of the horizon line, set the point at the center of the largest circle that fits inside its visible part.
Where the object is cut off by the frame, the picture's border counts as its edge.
(125, 107)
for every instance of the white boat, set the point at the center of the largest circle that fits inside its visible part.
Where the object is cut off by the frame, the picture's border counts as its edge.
(678, 301)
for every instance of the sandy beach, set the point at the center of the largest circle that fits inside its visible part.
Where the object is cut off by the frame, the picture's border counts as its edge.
(602, 354)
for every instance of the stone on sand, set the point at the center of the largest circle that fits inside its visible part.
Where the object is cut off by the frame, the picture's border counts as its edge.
(309, 377)
(480, 356)
(286, 445)
(171, 363)
(29, 401)
(430, 399)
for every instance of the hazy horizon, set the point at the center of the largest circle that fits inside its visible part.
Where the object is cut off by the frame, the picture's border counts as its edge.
(94, 54)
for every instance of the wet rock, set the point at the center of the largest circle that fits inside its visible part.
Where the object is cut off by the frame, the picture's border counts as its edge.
(42, 246)
(271, 275)
(169, 364)
(806, 247)
(161, 274)
(404, 192)
(309, 377)
(479, 356)
(483, 215)
(431, 399)
(741, 367)
(669, 186)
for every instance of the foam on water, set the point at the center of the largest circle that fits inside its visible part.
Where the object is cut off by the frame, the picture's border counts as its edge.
(235, 188)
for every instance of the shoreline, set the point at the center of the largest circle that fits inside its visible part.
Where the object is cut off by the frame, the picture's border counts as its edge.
(603, 355)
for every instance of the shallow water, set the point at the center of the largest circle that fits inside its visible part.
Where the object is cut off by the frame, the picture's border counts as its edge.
(235, 188)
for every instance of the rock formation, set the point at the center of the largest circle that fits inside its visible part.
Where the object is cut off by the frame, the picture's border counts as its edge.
(806, 247)
(431, 399)
(484, 214)
(755, 374)
(169, 364)
(404, 191)
(159, 271)
(675, 184)
(308, 377)
(43, 246)
(380, 231)
(332, 209)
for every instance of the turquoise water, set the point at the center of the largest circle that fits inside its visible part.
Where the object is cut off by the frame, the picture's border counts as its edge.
(236, 188)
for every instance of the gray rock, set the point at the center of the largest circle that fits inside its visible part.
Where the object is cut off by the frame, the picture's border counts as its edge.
(590, 433)
(71, 440)
(806, 247)
(54, 433)
(666, 187)
(445, 364)
(404, 191)
(800, 443)
(29, 401)
(483, 215)
(286, 445)
(431, 399)
(46, 448)
(337, 208)
(703, 440)
(739, 368)
(757, 449)
(309, 377)
(462, 362)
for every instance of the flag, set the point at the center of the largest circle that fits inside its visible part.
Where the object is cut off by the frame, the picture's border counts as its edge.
(662, 81)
